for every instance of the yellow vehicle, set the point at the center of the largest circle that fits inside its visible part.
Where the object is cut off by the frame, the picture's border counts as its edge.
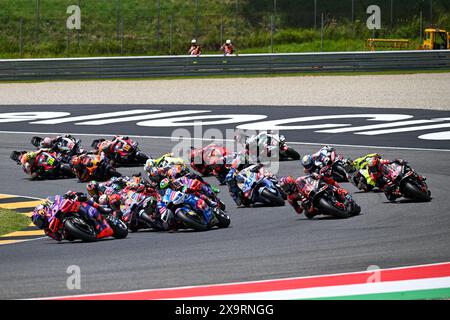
(436, 39)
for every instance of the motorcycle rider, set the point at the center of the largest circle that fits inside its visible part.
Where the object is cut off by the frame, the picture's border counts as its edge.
(51, 221)
(30, 163)
(298, 198)
(295, 197)
(192, 185)
(316, 161)
(85, 166)
(235, 177)
(377, 168)
(51, 143)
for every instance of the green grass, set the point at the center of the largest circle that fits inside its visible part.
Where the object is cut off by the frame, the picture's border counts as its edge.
(12, 221)
(249, 29)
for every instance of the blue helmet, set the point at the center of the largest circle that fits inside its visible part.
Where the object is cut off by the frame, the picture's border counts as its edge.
(307, 162)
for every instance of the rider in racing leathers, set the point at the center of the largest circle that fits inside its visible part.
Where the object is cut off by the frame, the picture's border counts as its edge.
(234, 177)
(50, 221)
(191, 184)
(28, 161)
(51, 143)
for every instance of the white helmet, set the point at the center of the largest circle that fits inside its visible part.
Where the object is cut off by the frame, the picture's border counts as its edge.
(149, 164)
(178, 198)
(228, 41)
(193, 41)
(103, 200)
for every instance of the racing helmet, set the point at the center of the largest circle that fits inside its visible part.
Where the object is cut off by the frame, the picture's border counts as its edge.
(92, 187)
(150, 163)
(178, 198)
(103, 200)
(307, 162)
(76, 161)
(164, 184)
(39, 217)
(287, 184)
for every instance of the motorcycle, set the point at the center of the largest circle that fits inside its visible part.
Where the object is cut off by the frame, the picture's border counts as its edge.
(203, 160)
(338, 164)
(74, 226)
(411, 184)
(48, 165)
(327, 199)
(191, 212)
(66, 147)
(126, 151)
(138, 210)
(286, 152)
(259, 188)
(98, 169)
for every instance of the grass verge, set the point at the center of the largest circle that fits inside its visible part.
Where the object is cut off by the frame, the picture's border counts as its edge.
(11, 221)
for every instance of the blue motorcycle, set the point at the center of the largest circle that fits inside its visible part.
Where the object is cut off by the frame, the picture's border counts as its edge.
(191, 212)
(260, 189)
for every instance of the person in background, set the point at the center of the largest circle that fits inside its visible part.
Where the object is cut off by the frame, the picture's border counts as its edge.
(227, 48)
(195, 49)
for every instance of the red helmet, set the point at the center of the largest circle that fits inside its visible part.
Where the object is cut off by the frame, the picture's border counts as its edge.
(287, 184)
(76, 161)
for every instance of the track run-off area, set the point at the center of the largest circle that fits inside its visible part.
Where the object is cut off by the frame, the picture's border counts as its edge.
(262, 244)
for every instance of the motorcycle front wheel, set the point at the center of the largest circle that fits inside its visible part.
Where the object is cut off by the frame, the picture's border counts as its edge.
(191, 220)
(413, 192)
(274, 199)
(327, 207)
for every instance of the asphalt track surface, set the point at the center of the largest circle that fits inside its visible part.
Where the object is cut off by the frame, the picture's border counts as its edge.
(261, 243)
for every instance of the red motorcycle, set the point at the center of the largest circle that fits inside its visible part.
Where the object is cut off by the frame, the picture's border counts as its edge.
(122, 150)
(411, 184)
(328, 199)
(47, 165)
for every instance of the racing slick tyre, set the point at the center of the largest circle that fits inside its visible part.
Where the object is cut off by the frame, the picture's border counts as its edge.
(191, 220)
(275, 200)
(224, 219)
(356, 210)
(413, 192)
(291, 153)
(328, 208)
(66, 170)
(79, 229)
(119, 227)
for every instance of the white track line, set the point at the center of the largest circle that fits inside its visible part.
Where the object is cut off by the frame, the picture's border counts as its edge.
(229, 140)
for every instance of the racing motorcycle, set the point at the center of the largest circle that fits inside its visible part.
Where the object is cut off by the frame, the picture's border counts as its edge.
(75, 226)
(48, 165)
(411, 184)
(66, 146)
(191, 212)
(139, 208)
(328, 199)
(126, 151)
(338, 164)
(278, 141)
(98, 169)
(203, 160)
(258, 188)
